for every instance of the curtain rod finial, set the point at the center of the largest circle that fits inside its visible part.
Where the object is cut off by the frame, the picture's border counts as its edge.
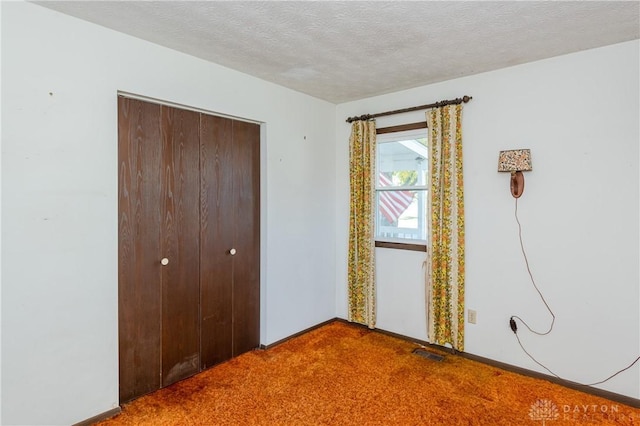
(466, 98)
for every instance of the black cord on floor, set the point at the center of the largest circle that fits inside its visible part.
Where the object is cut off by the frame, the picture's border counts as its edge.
(514, 326)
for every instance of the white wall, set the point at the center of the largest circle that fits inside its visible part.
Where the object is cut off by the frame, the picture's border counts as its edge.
(59, 207)
(400, 292)
(0, 220)
(579, 115)
(60, 77)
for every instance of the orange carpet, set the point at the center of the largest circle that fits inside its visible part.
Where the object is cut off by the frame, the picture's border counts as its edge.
(343, 374)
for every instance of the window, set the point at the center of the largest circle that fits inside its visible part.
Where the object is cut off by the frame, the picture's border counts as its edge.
(401, 187)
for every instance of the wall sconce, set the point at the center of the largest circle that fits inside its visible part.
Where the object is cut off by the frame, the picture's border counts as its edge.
(515, 161)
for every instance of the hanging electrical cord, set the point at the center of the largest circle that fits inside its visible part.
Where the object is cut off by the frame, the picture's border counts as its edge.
(533, 281)
(514, 326)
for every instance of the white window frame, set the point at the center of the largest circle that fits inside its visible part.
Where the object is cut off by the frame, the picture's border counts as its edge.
(394, 137)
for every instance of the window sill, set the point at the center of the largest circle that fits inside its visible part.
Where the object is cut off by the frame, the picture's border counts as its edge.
(402, 246)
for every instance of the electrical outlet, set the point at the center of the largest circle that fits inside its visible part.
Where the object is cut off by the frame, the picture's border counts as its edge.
(471, 316)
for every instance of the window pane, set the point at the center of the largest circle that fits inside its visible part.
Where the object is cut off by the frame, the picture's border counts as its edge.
(402, 163)
(401, 215)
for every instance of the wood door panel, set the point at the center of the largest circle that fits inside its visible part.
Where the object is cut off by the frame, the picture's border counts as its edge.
(189, 190)
(246, 267)
(217, 215)
(139, 296)
(180, 243)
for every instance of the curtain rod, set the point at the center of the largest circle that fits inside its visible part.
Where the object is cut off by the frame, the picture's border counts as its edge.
(456, 101)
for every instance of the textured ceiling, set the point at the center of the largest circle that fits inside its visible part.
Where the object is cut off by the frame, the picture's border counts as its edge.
(348, 50)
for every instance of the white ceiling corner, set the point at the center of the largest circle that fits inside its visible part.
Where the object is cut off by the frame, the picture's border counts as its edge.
(348, 50)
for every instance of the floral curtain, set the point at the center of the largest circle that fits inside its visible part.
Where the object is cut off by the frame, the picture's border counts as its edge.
(445, 261)
(361, 269)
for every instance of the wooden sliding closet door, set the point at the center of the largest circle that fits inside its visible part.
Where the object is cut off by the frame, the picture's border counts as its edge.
(139, 291)
(230, 238)
(217, 238)
(180, 244)
(189, 243)
(246, 267)
(159, 215)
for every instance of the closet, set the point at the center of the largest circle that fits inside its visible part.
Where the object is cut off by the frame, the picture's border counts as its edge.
(188, 242)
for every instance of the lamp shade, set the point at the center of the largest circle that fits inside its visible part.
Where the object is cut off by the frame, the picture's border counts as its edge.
(515, 160)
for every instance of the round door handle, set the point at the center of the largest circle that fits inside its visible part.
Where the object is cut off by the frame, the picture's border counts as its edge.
(164, 261)
(232, 252)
